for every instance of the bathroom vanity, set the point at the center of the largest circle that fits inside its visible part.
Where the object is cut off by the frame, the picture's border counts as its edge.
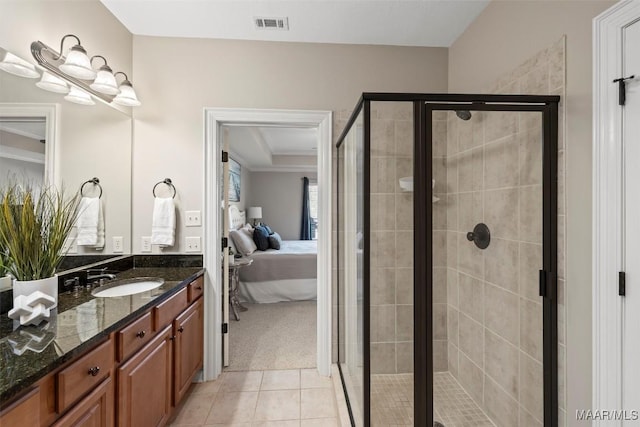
(125, 361)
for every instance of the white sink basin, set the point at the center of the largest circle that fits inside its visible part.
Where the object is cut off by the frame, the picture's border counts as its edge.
(126, 287)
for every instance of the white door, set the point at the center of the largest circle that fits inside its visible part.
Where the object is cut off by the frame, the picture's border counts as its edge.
(631, 209)
(225, 253)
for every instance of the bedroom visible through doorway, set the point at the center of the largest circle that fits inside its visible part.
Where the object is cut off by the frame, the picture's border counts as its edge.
(271, 220)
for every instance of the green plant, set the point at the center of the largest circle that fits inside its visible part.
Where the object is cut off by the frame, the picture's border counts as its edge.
(5, 262)
(34, 225)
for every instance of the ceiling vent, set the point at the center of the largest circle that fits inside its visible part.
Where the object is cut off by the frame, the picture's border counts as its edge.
(272, 23)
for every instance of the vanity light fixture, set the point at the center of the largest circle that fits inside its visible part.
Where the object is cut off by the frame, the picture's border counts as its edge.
(52, 83)
(76, 71)
(105, 81)
(17, 66)
(77, 63)
(78, 96)
(127, 96)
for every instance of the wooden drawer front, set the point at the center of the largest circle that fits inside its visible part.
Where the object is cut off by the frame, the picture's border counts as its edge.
(134, 336)
(25, 412)
(95, 410)
(196, 288)
(165, 312)
(84, 374)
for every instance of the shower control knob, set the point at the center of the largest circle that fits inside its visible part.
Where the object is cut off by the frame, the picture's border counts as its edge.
(480, 236)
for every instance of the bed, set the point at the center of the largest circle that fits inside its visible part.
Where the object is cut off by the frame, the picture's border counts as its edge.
(287, 274)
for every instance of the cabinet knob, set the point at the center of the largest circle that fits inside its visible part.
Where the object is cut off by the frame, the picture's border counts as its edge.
(180, 329)
(172, 338)
(141, 334)
(199, 288)
(94, 371)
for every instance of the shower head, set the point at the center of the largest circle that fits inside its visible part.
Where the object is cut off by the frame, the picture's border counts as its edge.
(463, 114)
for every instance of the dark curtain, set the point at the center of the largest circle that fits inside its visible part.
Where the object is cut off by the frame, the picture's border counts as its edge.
(305, 229)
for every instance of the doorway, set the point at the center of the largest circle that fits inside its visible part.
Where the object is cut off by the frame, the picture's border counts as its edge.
(215, 121)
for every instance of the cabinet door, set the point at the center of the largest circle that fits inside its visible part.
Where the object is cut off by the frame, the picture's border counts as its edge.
(95, 410)
(25, 412)
(144, 384)
(188, 328)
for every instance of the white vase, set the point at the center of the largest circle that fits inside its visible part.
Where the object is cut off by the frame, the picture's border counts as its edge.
(48, 286)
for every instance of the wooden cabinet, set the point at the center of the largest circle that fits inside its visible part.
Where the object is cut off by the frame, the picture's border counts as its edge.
(24, 412)
(95, 410)
(168, 310)
(133, 336)
(144, 384)
(188, 348)
(84, 374)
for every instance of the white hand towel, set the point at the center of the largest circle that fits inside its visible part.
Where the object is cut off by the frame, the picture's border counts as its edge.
(90, 223)
(163, 227)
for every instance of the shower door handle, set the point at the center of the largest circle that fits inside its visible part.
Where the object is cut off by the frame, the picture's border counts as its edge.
(543, 283)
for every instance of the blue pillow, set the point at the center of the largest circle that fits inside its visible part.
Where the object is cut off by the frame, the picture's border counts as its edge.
(274, 241)
(261, 238)
(269, 230)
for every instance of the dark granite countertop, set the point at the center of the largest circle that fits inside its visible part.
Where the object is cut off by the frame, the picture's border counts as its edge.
(28, 353)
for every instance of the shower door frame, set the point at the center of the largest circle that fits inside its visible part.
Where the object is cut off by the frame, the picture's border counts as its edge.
(423, 107)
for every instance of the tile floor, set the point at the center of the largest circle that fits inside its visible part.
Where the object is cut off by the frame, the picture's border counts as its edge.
(287, 398)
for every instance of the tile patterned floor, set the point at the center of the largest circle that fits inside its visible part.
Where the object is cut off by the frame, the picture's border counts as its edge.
(288, 398)
(392, 402)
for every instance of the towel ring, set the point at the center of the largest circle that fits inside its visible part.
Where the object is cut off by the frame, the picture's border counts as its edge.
(94, 181)
(166, 181)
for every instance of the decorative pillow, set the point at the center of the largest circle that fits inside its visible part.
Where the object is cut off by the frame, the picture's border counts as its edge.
(243, 241)
(274, 241)
(261, 238)
(269, 230)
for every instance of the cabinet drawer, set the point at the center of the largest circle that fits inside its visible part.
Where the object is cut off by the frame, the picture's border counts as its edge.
(84, 374)
(134, 336)
(196, 288)
(166, 311)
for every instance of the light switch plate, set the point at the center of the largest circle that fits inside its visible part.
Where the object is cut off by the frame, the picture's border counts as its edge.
(146, 244)
(193, 244)
(118, 244)
(192, 219)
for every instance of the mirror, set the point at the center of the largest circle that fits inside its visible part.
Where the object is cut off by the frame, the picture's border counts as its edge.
(80, 143)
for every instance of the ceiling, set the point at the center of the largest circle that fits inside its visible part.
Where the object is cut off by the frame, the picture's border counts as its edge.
(273, 148)
(380, 22)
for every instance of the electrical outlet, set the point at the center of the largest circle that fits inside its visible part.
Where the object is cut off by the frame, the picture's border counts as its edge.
(70, 246)
(192, 219)
(118, 244)
(146, 244)
(193, 244)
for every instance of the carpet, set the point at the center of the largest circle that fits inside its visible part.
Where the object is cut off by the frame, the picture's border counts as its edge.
(273, 336)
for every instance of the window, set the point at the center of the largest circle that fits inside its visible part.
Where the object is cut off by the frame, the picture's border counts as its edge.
(313, 209)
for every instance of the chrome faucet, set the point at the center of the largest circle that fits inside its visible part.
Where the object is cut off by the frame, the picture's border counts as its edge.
(99, 274)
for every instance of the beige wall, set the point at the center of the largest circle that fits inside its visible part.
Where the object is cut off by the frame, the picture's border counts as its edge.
(280, 196)
(93, 141)
(178, 78)
(503, 36)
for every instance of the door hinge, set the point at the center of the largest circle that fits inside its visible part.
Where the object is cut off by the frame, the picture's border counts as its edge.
(543, 283)
(622, 283)
(225, 243)
(622, 89)
(225, 157)
(225, 328)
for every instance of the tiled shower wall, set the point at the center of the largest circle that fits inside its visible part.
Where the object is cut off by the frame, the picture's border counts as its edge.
(392, 243)
(494, 313)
